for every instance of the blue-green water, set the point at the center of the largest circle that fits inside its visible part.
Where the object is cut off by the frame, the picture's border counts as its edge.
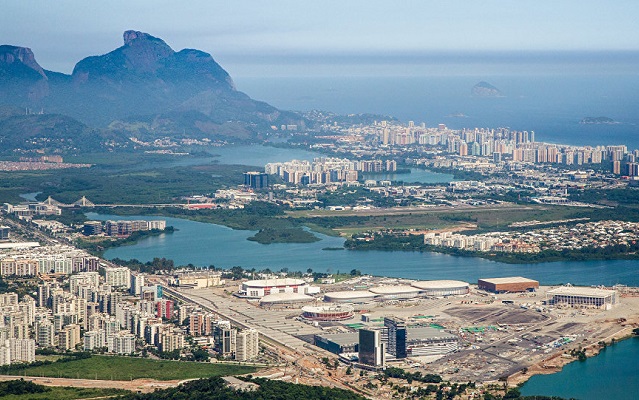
(207, 244)
(610, 375)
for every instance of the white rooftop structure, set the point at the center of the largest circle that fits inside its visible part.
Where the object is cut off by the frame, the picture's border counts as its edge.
(285, 298)
(586, 297)
(442, 287)
(396, 291)
(349, 296)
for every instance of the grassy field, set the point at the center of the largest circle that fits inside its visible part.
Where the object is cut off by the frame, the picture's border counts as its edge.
(66, 393)
(127, 368)
(486, 218)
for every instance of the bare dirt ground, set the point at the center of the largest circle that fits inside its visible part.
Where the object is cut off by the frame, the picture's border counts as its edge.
(136, 385)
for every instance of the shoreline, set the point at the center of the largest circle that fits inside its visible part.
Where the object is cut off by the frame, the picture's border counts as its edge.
(556, 362)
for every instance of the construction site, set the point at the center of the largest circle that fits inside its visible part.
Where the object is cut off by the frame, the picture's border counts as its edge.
(474, 334)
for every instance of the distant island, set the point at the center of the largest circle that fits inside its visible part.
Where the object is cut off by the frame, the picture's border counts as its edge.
(485, 89)
(598, 121)
(457, 115)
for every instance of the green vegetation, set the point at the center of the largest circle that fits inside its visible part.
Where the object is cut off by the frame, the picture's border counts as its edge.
(266, 218)
(158, 265)
(97, 246)
(125, 368)
(626, 196)
(26, 390)
(392, 242)
(580, 354)
(122, 178)
(292, 235)
(216, 389)
(394, 372)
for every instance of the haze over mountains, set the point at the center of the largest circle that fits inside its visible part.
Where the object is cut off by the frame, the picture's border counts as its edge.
(143, 87)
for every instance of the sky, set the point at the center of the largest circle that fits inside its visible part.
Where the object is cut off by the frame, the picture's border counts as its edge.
(271, 37)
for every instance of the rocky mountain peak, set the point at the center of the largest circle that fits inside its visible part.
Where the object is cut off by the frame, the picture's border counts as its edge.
(131, 35)
(11, 56)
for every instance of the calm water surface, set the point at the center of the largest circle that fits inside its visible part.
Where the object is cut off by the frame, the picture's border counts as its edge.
(610, 375)
(204, 244)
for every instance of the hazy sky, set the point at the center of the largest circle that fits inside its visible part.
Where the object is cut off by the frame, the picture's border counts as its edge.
(247, 37)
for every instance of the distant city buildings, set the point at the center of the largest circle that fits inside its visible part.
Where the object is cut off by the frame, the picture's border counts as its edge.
(327, 170)
(121, 228)
(599, 234)
(4, 232)
(63, 260)
(256, 180)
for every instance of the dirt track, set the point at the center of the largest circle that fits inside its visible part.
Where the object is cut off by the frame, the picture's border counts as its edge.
(137, 385)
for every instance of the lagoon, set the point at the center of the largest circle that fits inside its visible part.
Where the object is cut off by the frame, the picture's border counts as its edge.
(610, 375)
(205, 244)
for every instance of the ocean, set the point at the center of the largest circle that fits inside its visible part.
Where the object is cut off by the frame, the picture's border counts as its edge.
(551, 104)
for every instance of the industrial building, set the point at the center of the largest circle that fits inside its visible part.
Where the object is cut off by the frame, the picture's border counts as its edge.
(583, 297)
(338, 343)
(198, 280)
(338, 312)
(427, 341)
(513, 284)
(259, 288)
(442, 288)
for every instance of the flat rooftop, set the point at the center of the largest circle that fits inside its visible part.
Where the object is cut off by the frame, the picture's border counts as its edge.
(439, 284)
(581, 291)
(425, 333)
(343, 339)
(506, 280)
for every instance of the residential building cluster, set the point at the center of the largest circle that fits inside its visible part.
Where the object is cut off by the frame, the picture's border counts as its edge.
(121, 228)
(326, 170)
(16, 345)
(37, 165)
(92, 314)
(58, 259)
(583, 235)
(229, 342)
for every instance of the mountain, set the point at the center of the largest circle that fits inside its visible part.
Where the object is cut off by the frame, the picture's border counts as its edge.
(22, 80)
(144, 83)
(485, 89)
(27, 132)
